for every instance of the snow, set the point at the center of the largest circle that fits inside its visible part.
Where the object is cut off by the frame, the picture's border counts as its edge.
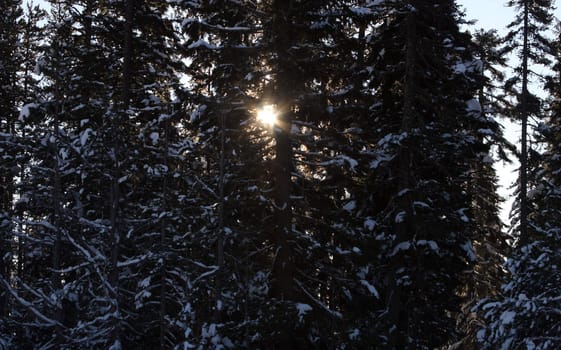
(400, 217)
(370, 288)
(507, 317)
(459, 68)
(145, 282)
(154, 136)
(362, 272)
(473, 105)
(26, 111)
(468, 248)
(403, 192)
(431, 244)
(369, 224)
(84, 136)
(202, 43)
(361, 11)
(352, 163)
(196, 114)
(116, 345)
(354, 334)
(140, 297)
(421, 204)
(350, 206)
(401, 246)
(530, 345)
(485, 132)
(303, 309)
(340, 160)
(78, 107)
(463, 216)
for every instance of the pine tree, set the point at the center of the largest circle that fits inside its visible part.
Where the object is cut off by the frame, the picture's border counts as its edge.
(284, 203)
(525, 315)
(429, 127)
(490, 239)
(155, 210)
(10, 90)
(526, 38)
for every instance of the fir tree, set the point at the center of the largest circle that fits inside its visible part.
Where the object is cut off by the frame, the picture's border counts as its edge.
(10, 92)
(429, 139)
(525, 315)
(526, 39)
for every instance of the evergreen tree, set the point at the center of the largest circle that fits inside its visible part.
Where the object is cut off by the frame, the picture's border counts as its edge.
(526, 39)
(430, 135)
(526, 316)
(490, 239)
(305, 264)
(147, 206)
(10, 90)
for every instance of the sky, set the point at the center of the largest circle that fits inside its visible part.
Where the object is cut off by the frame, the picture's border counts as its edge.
(494, 14)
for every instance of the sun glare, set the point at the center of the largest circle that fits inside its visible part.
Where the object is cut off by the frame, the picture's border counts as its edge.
(267, 115)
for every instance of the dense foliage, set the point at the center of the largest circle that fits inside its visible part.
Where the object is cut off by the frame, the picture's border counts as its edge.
(145, 205)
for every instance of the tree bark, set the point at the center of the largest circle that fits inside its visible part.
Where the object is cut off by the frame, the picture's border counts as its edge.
(524, 135)
(115, 194)
(283, 267)
(397, 312)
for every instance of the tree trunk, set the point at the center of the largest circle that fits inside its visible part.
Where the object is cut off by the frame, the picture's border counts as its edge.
(283, 268)
(398, 315)
(163, 231)
(115, 194)
(524, 135)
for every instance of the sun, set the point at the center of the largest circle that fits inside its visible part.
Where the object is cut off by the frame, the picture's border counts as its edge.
(267, 115)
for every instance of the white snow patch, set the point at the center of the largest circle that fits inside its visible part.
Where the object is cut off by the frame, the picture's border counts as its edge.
(403, 191)
(401, 246)
(432, 244)
(116, 345)
(420, 204)
(354, 334)
(507, 317)
(145, 282)
(352, 162)
(361, 11)
(486, 132)
(400, 217)
(303, 309)
(84, 136)
(154, 136)
(26, 111)
(473, 105)
(370, 288)
(468, 248)
(463, 216)
(350, 206)
(369, 224)
(202, 43)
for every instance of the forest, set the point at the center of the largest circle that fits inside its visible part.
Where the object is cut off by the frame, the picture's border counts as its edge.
(277, 175)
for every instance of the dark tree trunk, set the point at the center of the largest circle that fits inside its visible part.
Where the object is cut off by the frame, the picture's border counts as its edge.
(283, 268)
(398, 315)
(524, 135)
(115, 195)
